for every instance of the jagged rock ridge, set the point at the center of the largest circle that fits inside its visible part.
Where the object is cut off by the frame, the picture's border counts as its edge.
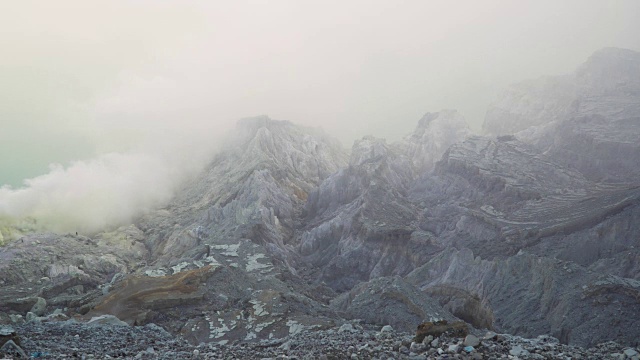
(285, 231)
(589, 120)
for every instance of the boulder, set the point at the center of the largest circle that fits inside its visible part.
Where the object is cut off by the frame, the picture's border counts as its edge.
(106, 320)
(39, 307)
(12, 349)
(471, 340)
(8, 333)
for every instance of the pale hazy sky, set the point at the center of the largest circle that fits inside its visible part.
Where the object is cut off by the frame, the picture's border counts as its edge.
(81, 78)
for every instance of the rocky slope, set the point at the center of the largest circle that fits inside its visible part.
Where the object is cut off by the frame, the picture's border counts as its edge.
(285, 233)
(503, 203)
(219, 264)
(361, 221)
(588, 120)
(351, 341)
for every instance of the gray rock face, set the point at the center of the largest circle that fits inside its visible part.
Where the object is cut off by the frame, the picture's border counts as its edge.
(361, 220)
(499, 197)
(599, 146)
(255, 188)
(513, 192)
(230, 231)
(435, 133)
(390, 301)
(551, 296)
(506, 201)
(39, 307)
(43, 271)
(12, 349)
(103, 320)
(588, 120)
(531, 104)
(216, 265)
(515, 233)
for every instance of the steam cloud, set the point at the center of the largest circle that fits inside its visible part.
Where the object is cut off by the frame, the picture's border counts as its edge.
(153, 85)
(110, 190)
(150, 144)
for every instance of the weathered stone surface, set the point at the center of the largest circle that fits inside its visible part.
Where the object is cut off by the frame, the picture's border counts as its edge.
(75, 266)
(471, 340)
(11, 302)
(389, 301)
(438, 328)
(106, 320)
(39, 307)
(153, 342)
(587, 120)
(516, 233)
(435, 133)
(136, 296)
(12, 349)
(557, 291)
(8, 333)
(254, 189)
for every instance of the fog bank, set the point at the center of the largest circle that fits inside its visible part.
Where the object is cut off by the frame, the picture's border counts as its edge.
(130, 98)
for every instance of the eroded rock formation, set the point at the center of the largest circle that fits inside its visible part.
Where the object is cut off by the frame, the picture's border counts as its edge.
(531, 229)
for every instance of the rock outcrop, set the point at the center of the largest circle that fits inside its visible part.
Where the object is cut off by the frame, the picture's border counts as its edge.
(435, 133)
(361, 221)
(589, 120)
(390, 301)
(531, 230)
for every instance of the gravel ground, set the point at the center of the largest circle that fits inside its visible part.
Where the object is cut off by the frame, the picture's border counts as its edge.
(57, 340)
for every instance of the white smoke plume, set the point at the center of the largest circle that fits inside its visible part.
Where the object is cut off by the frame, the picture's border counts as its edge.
(139, 92)
(110, 190)
(148, 145)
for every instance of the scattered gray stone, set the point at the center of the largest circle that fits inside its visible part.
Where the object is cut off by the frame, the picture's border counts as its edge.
(630, 352)
(417, 347)
(286, 346)
(386, 328)
(471, 340)
(7, 333)
(32, 317)
(55, 317)
(490, 335)
(516, 350)
(39, 307)
(106, 320)
(346, 327)
(11, 348)
(158, 328)
(16, 318)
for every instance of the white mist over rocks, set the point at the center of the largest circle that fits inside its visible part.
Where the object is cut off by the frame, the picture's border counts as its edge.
(111, 189)
(131, 98)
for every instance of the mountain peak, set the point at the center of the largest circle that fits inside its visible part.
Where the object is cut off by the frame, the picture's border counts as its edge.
(368, 149)
(434, 134)
(611, 70)
(615, 53)
(256, 122)
(429, 117)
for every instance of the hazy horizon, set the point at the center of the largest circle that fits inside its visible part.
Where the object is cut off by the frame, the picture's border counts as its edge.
(152, 80)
